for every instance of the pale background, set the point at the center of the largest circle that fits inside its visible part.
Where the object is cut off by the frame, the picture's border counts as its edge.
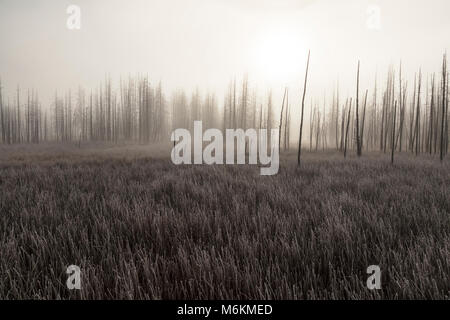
(205, 43)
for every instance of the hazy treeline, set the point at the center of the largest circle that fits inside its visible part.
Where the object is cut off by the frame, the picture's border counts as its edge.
(392, 116)
(136, 111)
(406, 117)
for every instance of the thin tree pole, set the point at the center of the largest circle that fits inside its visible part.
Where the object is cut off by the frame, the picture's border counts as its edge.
(303, 108)
(430, 141)
(417, 131)
(402, 118)
(281, 121)
(234, 104)
(411, 118)
(446, 113)
(261, 110)
(346, 130)
(358, 141)
(337, 116)
(444, 78)
(312, 117)
(343, 125)
(2, 122)
(363, 120)
(393, 132)
(286, 123)
(400, 104)
(18, 116)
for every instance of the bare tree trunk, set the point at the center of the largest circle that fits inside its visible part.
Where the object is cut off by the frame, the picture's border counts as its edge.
(417, 129)
(234, 104)
(260, 116)
(303, 108)
(281, 121)
(337, 117)
(393, 133)
(363, 120)
(2, 115)
(346, 131)
(400, 92)
(411, 118)
(286, 124)
(343, 125)
(430, 140)
(312, 117)
(358, 141)
(383, 113)
(318, 130)
(444, 96)
(402, 119)
(18, 116)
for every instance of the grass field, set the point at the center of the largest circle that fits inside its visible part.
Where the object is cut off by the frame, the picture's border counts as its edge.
(140, 227)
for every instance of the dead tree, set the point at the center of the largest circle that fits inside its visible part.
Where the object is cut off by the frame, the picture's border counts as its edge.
(18, 116)
(303, 108)
(444, 98)
(281, 120)
(358, 141)
(343, 126)
(312, 117)
(318, 130)
(430, 134)
(402, 119)
(346, 130)
(2, 115)
(417, 127)
(337, 117)
(393, 133)
(363, 120)
(286, 124)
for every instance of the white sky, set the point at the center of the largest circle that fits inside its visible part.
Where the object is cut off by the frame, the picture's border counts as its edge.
(205, 43)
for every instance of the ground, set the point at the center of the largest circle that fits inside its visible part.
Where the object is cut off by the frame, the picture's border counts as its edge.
(140, 227)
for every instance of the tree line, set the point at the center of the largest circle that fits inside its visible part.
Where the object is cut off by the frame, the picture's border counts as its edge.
(395, 118)
(413, 121)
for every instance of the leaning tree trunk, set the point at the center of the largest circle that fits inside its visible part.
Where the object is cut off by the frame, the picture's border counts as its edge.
(281, 121)
(303, 109)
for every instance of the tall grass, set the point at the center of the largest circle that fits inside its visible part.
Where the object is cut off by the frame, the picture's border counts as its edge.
(140, 227)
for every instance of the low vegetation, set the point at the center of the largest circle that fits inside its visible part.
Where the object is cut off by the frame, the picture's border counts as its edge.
(140, 227)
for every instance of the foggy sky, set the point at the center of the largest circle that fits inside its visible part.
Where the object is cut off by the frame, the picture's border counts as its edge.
(205, 43)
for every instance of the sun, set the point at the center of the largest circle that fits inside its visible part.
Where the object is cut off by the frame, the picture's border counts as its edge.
(278, 56)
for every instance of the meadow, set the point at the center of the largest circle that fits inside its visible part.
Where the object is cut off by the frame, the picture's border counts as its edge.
(140, 227)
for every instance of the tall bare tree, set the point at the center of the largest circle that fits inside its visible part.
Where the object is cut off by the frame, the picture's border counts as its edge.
(303, 108)
(347, 128)
(358, 138)
(444, 98)
(281, 120)
(393, 133)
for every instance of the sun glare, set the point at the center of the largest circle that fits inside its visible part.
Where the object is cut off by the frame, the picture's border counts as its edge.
(278, 56)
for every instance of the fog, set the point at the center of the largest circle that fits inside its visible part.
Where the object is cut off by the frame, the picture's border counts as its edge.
(206, 43)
